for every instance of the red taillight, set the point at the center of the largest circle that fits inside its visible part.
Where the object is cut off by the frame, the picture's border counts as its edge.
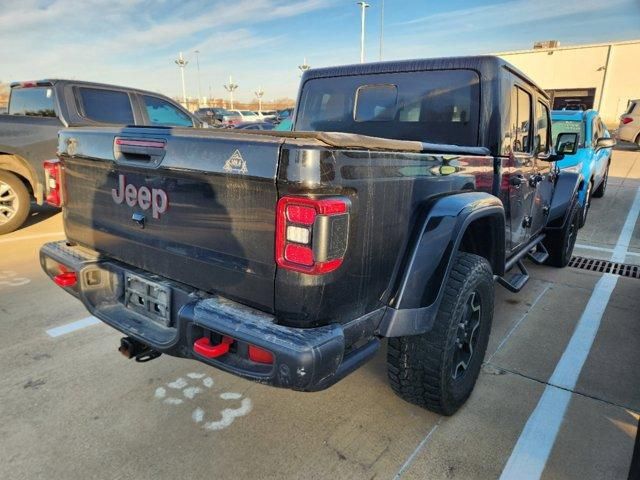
(257, 354)
(626, 120)
(311, 235)
(52, 182)
(66, 279)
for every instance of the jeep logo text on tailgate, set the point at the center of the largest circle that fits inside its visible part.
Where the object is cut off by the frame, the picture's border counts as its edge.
(156, 198)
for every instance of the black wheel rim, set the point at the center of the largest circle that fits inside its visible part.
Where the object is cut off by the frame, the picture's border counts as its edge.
(466, 335)
(8, 203)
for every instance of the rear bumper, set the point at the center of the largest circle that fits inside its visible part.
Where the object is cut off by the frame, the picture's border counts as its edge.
(305, 359)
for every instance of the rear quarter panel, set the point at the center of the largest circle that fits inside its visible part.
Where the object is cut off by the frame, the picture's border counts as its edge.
(389, 193)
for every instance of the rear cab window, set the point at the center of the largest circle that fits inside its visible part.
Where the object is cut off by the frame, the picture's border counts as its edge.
(105, 106)
(437, 106)
(163, 113)
(32, 101)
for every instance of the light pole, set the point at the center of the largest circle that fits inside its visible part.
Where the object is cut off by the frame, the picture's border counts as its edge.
(181, 62)
(363, 6)
(259, 93)
(231, 87)
(197, 52)
(304, 67)
(381, 28)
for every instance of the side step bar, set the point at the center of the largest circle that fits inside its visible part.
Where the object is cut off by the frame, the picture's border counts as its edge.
(518, 280)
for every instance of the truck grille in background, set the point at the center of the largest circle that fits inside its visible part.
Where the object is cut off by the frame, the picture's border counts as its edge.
(605, 266)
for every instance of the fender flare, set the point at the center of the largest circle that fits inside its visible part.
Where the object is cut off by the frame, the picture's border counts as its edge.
(427, 263)
(565, 192)
(13, 163)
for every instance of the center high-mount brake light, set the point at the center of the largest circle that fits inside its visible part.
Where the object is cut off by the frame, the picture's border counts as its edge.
(311, 235)
(53, 182)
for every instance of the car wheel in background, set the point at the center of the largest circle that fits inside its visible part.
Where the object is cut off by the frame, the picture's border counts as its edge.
(439, 369)
(560, 243)
(15, 202)
(587, 204)
(599, 192)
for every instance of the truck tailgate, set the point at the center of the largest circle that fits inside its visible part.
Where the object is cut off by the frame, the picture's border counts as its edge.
(195, 206)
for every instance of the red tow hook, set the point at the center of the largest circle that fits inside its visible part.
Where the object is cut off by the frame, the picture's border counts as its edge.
(203, 347)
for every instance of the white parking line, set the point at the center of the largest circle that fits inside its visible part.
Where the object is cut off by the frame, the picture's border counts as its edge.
(32, 237)
(531, 452)
(620, 251)
(72, 327)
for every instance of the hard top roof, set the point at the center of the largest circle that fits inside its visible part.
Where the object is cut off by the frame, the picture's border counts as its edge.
(488, 66)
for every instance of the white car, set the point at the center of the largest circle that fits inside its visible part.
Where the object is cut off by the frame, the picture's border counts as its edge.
(246, 115)
(629, 129)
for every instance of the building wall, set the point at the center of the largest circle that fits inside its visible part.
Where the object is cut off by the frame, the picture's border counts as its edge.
(585, 66)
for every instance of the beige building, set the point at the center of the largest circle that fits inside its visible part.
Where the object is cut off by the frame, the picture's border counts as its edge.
(604, 76)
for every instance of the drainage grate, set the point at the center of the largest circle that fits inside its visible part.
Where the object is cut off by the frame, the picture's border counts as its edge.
(605, 266)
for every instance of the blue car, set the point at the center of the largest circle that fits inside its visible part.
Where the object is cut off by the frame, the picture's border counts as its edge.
(591, 159)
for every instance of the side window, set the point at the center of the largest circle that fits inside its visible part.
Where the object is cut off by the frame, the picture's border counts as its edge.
(36, 102)
(542, 128)
(520, 120)
(162, 113)
(596, 130)
(106, 106)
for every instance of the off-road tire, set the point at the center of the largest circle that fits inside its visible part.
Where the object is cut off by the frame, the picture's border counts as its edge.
(599, 192)
(559, 243)
(20, 201)
(421, 367)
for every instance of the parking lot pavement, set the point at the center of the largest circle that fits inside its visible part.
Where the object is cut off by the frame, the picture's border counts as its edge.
(557, 397)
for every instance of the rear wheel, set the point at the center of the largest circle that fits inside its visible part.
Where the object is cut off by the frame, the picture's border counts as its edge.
(560, 243)
(14, 202)
(439, 369)
(599, 192)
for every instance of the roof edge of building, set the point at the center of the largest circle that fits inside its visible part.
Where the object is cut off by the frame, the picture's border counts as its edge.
(568, 47)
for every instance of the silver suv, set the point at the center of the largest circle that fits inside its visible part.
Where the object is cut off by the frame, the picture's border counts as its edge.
(629, 129)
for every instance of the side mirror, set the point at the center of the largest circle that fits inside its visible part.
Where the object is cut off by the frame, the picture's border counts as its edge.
(605, 143)
(567, 143)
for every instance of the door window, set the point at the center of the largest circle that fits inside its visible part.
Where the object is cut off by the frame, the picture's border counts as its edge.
(542, 128)
(162, 113)
(106, 106)
(520, 120)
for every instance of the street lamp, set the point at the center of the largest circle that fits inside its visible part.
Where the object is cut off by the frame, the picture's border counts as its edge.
(304, 67)
(259, 93)
(197, 52)
(231, 87)
(363, 6)
(381, 28)
(181, 62)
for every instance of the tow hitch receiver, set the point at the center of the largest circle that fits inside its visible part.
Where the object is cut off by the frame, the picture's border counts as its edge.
(131, 348)
(203, 347)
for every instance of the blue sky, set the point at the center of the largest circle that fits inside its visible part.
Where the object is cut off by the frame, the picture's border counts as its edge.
(261, 42)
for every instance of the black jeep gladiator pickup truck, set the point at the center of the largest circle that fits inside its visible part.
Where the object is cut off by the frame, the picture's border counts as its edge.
(405, 192)
(39, 109)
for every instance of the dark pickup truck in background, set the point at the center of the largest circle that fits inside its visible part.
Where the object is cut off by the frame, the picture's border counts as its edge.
(286, 258)
(38, 110)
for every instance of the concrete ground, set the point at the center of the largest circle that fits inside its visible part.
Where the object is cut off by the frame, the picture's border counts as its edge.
(550, 402)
